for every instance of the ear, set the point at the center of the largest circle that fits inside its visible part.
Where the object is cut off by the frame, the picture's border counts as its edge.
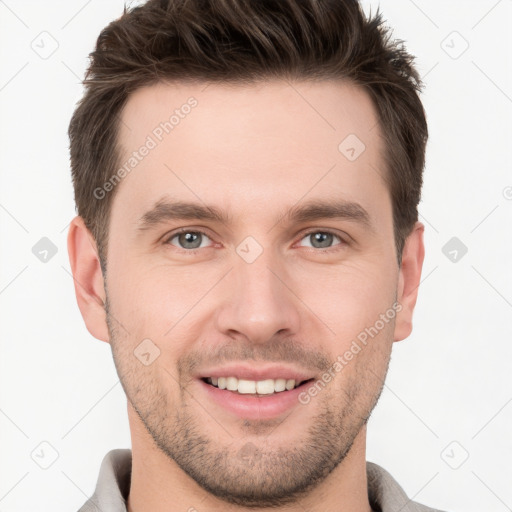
(88, 278)
(409, 280)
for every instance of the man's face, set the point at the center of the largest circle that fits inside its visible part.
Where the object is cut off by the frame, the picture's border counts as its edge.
(265, 294)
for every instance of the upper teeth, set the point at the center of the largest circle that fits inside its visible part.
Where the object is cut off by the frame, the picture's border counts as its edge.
(246, 387)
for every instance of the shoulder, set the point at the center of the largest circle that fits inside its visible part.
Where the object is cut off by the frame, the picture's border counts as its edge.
(386, 495)
(113, 484)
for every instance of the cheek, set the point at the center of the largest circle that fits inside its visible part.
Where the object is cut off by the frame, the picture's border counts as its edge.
(347, 298)
(164, 305)
(151, 300)
(360, 361)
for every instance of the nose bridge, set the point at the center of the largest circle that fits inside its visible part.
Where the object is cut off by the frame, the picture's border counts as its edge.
(259, 305)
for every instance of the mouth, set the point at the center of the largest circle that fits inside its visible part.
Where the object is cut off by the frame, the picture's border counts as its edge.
(259, 388)
(259, 400)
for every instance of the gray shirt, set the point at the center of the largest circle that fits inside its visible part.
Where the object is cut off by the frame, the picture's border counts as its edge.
(113, 487)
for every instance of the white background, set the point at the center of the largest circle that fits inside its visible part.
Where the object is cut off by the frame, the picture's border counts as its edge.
(449, 390)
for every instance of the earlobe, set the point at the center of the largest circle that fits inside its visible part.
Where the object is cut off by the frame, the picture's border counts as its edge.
(409, 280)
(88, 278)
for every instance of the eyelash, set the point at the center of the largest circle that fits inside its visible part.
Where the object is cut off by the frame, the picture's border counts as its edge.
(343, 242)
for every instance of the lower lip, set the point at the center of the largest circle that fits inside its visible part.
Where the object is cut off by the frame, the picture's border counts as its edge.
(262, 407)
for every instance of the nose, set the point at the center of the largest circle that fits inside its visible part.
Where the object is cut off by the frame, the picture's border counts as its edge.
(259, 302)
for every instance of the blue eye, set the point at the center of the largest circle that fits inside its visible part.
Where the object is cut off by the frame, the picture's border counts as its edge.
(188, 239)
(321, 239)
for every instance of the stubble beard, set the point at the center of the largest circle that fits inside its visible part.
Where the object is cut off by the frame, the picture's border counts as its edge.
(243, 472)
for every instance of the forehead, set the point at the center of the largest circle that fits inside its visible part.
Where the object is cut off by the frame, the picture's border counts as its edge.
(248, 147)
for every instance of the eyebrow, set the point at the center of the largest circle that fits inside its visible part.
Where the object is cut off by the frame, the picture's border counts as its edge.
(167, 210)
(329, 209)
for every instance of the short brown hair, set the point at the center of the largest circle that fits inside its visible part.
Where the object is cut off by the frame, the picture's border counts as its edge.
(244, 41)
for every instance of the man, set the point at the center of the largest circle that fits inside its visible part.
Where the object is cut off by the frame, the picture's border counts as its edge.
(247, 176)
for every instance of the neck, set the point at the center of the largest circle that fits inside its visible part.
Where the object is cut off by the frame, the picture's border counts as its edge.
(160, 485)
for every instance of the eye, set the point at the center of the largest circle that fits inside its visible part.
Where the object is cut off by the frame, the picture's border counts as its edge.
(188, 239)
(321, 239)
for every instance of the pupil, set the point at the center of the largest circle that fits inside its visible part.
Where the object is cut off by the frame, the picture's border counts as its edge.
(190, 240)
(321, 239)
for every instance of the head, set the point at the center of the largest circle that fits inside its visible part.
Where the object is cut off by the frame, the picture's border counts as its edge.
(286, 140)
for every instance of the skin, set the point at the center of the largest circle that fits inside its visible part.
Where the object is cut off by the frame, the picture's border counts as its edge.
(254, 152)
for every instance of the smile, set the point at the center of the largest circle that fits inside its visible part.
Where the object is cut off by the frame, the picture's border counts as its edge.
(254, 387)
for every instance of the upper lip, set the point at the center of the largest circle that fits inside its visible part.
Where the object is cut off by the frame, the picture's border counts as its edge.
(253, 372)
